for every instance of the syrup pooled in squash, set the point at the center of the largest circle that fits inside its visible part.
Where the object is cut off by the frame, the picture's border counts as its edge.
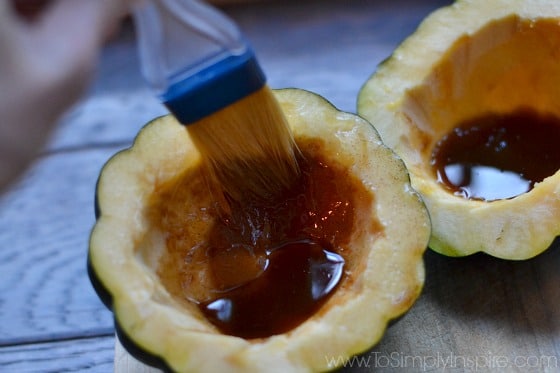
(269, 265)
(498, 156)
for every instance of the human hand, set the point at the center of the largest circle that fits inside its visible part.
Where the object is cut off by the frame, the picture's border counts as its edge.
(45, 64)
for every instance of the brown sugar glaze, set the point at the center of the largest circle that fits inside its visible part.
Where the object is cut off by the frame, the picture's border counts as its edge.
(272, 264)
(498, 156)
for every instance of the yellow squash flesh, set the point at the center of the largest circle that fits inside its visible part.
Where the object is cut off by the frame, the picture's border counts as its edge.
(384, 282)
(470, 58)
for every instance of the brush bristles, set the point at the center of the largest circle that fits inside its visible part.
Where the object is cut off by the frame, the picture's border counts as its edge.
(248, 147)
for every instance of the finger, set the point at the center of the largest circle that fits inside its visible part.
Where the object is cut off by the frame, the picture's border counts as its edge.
(29, 10)
(67, 38)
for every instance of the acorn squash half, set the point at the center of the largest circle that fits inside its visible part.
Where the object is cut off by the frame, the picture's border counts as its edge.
(384, 270)
(466, 61)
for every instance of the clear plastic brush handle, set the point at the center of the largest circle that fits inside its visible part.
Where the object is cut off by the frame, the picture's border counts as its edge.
(194, 57)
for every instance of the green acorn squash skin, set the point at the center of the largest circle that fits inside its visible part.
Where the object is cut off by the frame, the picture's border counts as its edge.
(386, 282)
(106, 298)
(133, 349)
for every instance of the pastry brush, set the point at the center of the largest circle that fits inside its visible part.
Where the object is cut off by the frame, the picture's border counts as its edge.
(204, 71)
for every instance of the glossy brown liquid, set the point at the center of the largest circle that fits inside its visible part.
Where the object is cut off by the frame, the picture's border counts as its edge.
(272, 264)
(298, 277)
(498, 156)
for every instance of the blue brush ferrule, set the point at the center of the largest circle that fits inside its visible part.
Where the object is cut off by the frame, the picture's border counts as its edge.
(214, 87)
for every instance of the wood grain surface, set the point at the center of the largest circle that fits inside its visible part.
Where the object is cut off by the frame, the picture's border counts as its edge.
(476, 313)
